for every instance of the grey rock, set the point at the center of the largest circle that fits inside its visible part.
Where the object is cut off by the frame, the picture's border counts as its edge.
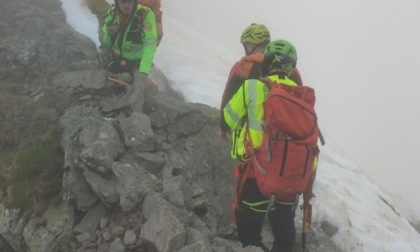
(133, 183)
(117, 246)
(152, 162)
(168, 105)
(8, 227)
(90, 221)
(164, 230)
(252, 249)
(158, 119)
(206, 160)
(178, 191)
(47, 45)
(222, 245)
(39, 238)
(129, 237)
(103, 222)
(4, 245)
(197, 247)
(83, 237)
(77, 190)
(100, 142)
(81, 82)
(113, 105)
(137, 132)
(107, 236)
(195, 236)
(135, 93)
(186, 124)
(105, 188)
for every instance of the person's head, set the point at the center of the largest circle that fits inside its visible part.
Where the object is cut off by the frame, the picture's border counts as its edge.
(126, 7)
(254, 38)
(279, 56)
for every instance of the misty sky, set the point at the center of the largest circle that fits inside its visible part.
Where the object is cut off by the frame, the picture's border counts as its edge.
(362, 57)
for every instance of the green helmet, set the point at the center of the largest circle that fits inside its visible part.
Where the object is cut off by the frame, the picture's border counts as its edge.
(255, 34)
(281, 53)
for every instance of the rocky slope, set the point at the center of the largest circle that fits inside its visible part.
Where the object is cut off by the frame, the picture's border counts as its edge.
(142, 171)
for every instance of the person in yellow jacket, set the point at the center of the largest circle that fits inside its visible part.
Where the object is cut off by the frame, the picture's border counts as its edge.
(244, 115)
(130, 31)
(254, 39)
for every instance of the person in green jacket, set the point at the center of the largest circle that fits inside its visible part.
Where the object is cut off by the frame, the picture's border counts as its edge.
(130, 31)
(244, 113)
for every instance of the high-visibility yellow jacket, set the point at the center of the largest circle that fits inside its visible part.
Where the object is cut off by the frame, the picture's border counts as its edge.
(244, 112)
(135, 43)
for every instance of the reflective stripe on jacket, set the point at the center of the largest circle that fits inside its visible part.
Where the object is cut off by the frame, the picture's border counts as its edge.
(137, 42)
(244, 112)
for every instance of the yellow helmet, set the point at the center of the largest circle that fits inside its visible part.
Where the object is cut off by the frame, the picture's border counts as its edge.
(255, 34)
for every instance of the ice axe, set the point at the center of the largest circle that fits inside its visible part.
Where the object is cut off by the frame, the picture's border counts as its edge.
(307, 210)
(305, 225)
(119, 82)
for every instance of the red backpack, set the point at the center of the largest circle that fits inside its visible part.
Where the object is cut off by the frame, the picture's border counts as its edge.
(286, 162)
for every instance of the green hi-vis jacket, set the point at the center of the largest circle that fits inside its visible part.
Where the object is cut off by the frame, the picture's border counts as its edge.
(245, 112)
(137, 42)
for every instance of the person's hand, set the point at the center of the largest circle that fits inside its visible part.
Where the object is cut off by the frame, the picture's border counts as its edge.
(142, 78)
(112, 29)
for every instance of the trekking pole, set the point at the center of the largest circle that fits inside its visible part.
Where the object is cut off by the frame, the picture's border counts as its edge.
(98, 58)
(119, 82)
(304, 227)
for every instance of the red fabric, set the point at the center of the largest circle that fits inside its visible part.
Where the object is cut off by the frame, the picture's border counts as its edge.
(241, 172)
(284, 163)
(290, 110)
(155, 6)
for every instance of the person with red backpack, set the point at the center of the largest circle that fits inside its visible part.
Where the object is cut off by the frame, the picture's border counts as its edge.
(254, 39)
(130, 31)
(254, 113)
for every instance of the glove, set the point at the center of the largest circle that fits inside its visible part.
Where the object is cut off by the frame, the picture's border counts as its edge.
(142, 79)
(143, 76)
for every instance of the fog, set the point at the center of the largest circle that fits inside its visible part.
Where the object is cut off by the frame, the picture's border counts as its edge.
(362, 58)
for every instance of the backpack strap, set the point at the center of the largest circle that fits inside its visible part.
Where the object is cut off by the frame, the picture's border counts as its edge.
(321, 137)
(141, 14)
(249, 146)
(113, 12)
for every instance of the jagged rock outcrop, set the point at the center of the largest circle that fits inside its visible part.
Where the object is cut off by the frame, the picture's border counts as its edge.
(37, 41)
(157, 178)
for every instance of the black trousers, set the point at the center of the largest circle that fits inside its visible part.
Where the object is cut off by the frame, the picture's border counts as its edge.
(249, 220)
